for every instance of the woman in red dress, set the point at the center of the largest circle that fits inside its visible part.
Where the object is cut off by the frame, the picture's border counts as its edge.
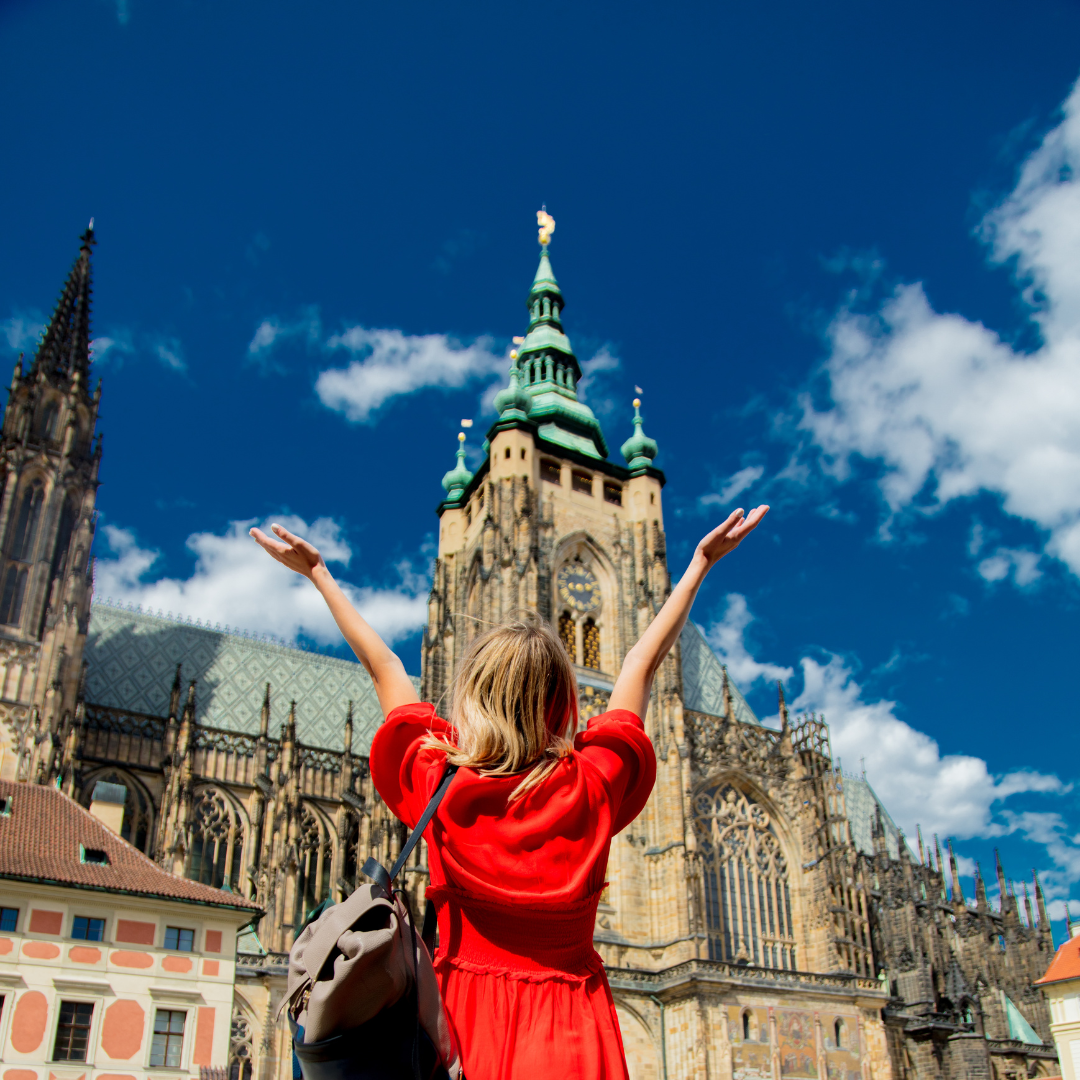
(518, 847)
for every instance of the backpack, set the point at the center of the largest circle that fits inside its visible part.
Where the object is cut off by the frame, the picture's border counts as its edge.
(362, 997)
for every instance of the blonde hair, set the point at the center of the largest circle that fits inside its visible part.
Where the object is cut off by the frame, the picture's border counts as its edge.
(514, 697)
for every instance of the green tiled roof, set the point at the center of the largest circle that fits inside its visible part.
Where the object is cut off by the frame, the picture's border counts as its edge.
(132, 661)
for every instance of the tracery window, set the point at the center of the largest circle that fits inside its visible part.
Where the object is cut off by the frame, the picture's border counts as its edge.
(20, 553)
(217, 841)
(590, 644)
(747, 895)
(315, 855)
(240, 1043)
(568, 634)
(48, 420)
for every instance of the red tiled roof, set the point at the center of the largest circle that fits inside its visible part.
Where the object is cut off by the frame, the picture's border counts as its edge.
(1065, 965)
(40, 838)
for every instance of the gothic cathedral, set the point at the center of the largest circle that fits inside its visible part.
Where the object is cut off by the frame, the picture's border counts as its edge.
(764, 917)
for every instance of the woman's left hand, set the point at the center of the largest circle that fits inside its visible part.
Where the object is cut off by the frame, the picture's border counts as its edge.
(727, 537)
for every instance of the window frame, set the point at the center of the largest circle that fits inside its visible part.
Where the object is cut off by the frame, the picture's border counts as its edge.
(171, 1009)
(581, 482)
(551, 471)
(13, 929)
(87, 1058)
(179, 931)
(88, 919)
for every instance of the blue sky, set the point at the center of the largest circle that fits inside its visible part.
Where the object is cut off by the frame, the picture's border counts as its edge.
(836, 246)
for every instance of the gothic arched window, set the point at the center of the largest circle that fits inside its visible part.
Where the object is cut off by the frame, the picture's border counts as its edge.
(239, 1046)
(315, 853)
(839, 1031)
(22, 540)
(217, 840)
(590, 644)
(48, 420)
(747, 895)
(568, 633)
(12, 599)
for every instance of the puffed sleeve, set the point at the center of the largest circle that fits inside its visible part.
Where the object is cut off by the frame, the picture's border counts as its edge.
(403, 771)
(616, 745)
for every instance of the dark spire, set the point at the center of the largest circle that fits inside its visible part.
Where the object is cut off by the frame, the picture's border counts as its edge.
(726, 692)
(980, 890)
(957, 892)
(940, 860)
(264, 715)
(1040, 901)
(65, 346)
(174, 696)
(1027, 907)
(1002, 886)
(922, 848)
(783, 703)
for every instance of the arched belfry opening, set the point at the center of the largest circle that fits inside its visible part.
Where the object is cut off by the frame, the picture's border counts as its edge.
(581, 583)
(748, 914)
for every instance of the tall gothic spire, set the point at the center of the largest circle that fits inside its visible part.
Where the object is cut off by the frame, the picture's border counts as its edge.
(65, 346)
(543, 390)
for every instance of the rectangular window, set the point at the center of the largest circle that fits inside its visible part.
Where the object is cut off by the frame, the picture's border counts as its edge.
(551, 471)
(88, 929)
(73, 1031)
(179, 939)
(583, 482)
(168, 1038)
(9, 918)
(613, 494)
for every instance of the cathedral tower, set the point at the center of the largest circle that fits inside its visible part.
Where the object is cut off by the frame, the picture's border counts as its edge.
(50, 480)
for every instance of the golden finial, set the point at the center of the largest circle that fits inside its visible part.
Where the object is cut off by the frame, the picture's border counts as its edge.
(547, 225)
(461, 436)
(513, 354)
(637, 403)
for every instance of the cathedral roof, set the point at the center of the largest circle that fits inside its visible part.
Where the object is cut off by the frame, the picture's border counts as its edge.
(862, 806)
(40, 839)
(133, 658)
(703, 679)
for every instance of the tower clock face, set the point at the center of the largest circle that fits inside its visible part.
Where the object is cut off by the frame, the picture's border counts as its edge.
(577, 588)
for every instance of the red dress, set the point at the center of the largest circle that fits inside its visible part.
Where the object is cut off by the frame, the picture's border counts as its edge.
(516, 889)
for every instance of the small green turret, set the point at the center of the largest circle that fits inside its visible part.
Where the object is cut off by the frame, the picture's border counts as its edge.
(512, 402)
(639, 450)
(458, 478)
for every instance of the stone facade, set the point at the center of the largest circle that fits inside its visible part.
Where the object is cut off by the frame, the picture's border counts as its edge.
(764, 917)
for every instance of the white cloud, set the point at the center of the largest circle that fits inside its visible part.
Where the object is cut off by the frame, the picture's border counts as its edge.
(951, 794)
(113, 348)
(728, 639)
(1021, 565)
(271, 333)
(946, 406)
(395, 363)
(735, 485)
(235, 583)
(23, 330)
(170, 352)
(948, 794)
(594, 385)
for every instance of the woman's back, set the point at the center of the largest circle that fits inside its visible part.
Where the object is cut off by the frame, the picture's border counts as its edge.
(516, 883)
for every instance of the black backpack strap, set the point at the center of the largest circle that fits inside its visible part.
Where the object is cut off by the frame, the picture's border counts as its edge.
(375, 870)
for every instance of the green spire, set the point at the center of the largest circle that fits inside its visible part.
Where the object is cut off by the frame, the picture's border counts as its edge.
(458, 478)
(511, 402)
(639, 450)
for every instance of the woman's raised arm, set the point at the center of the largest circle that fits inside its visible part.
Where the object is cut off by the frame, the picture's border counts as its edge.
(392, 684)
(634, 684)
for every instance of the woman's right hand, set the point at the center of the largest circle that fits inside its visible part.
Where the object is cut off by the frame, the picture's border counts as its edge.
(292, 552)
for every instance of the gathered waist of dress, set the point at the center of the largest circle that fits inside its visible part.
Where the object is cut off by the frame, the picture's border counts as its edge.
(538, 941)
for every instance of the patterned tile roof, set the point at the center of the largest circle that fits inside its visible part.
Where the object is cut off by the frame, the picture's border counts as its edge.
(703, 679)
(132, 661)
(40, 837)
(861, 800)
